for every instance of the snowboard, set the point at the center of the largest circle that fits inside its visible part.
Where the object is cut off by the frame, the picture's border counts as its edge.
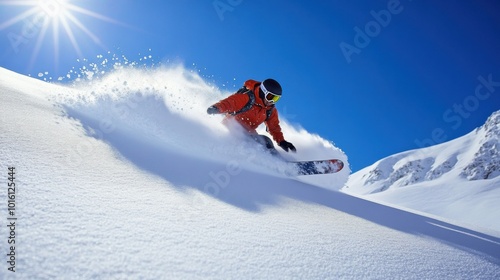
(313, 167)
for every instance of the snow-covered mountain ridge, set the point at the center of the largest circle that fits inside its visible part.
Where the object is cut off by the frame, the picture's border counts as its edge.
(478, 153)
(440, 178)
(486, 161)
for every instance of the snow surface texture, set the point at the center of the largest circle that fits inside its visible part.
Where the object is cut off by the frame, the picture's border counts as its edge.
(120, 179)
(459, 179)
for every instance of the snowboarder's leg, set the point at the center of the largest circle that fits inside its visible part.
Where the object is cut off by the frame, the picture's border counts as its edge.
(266, 142)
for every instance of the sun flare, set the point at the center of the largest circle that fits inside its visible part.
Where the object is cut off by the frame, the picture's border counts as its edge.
(61, 17)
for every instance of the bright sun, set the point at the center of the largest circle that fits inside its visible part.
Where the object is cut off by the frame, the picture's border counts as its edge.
(41, 15)
(53, 8)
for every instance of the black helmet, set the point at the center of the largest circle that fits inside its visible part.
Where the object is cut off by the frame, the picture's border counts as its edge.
(270, 90)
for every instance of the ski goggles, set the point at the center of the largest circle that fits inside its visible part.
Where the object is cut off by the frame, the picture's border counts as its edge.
(269, 96)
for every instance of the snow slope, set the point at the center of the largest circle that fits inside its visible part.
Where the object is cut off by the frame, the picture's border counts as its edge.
(126, 177)
(458, 180)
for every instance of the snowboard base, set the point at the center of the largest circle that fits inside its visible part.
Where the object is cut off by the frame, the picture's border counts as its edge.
(315, 167)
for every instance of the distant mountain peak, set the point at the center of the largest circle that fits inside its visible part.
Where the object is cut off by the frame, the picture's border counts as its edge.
(492, 125)
(486, 160)
(475, 156)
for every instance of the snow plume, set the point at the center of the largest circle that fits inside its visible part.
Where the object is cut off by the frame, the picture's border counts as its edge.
(166, 106)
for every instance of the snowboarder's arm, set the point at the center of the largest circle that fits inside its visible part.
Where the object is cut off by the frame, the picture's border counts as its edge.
(274, 128)
(230, 104)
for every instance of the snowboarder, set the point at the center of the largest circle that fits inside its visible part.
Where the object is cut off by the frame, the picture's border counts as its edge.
(252, 105)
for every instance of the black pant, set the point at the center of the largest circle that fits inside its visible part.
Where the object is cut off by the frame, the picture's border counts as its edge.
(266, 142)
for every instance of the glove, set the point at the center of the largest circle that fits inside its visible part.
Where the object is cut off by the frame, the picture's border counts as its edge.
(285, 145)
(213, 110)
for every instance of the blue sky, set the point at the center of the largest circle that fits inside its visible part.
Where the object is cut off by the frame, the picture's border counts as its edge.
(374, 77)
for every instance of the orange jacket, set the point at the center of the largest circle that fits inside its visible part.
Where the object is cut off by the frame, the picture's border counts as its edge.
(257, 113)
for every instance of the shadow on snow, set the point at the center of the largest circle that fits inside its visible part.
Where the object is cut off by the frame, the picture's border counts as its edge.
(216, 179)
